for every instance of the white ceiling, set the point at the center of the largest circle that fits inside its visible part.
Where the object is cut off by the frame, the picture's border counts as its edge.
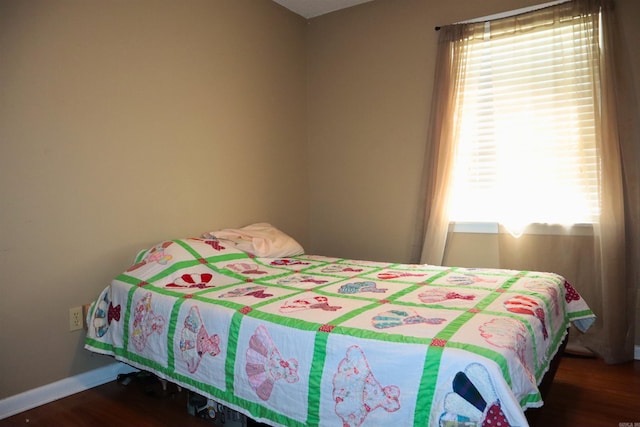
(311, 8)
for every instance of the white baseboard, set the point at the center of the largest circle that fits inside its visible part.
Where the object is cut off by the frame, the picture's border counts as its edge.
(636, 353)
(59, 389)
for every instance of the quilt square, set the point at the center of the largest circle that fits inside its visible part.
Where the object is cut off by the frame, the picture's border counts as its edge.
(200, 343)
(149, 324)
(365, 288)
(421, 267)
(193, 279)
(365, 263)
(415, 321)
(472, 277)
(363, 382)
(341, 269)
(272, 367)
(108, 316)
(248, 269)
(156, 259)
(503, 334)
(395, 274)
(470, 393)
(319, 258)
(292, 263)
(210, 248)
(444, 296)
(301, 280)
(531, 309)
(547, 285)
(247, 293)
(313, 307)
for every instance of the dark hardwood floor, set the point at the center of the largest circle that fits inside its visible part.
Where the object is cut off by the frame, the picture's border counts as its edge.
(141, 403)
(585, 393)
(588, 393)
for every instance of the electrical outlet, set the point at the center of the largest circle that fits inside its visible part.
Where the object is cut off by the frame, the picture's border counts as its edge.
(75, 318)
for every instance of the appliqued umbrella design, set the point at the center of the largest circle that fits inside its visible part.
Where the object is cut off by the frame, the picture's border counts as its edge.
(508, 333)
(522, 304)
(432, 296)
(317, 302)
(195, 280)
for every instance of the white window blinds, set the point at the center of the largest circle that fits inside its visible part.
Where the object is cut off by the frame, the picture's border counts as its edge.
(526, 126)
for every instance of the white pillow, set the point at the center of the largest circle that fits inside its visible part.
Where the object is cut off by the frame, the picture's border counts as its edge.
(261, 239)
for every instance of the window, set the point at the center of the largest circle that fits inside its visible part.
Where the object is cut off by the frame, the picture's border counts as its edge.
(526, 146)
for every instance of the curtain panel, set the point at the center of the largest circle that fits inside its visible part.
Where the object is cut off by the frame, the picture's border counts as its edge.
(604, 265)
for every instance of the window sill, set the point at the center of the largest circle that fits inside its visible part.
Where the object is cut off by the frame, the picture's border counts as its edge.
(540, 229)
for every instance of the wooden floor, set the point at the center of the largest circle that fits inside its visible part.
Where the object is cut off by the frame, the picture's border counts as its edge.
(585, 393)
(588, 393)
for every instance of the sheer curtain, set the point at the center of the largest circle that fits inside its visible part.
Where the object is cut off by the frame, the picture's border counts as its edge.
(603, 265)
(444, 130)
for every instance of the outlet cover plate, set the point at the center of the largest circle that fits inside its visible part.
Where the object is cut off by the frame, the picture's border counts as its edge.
(75, 318)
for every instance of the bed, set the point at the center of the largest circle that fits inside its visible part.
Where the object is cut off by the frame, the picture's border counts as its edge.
(293, 339)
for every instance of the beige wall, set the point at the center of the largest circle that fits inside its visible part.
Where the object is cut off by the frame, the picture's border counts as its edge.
(123, 123)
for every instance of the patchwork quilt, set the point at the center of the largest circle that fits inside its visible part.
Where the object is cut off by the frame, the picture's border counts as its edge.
(319, 341)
